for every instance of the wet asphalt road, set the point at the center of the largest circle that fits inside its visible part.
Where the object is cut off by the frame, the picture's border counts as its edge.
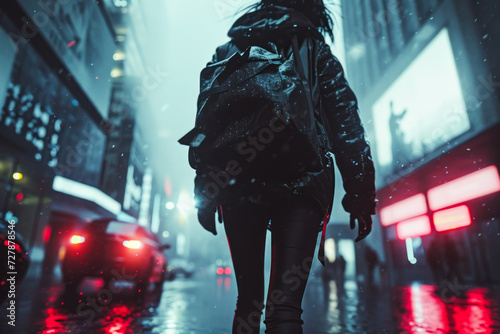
(205, 304)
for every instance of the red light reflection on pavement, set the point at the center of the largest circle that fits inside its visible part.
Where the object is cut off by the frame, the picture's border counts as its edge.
(227, 283)
(54, 321)
(423, 309)
(474, 314)
(120, 320)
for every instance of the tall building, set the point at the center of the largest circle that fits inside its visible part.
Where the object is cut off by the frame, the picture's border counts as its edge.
(72, 84)
(55, 92)
(426, 73)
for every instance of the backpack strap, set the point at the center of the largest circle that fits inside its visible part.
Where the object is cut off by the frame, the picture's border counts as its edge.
(305, 80)
(324, 140)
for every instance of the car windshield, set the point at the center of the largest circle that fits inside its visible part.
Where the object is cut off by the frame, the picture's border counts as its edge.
(123, 229)
(106, 227)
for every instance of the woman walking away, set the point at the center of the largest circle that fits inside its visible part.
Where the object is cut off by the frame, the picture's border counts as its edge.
(274, 105)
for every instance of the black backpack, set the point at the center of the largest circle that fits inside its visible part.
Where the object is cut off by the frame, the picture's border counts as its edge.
(256, 120)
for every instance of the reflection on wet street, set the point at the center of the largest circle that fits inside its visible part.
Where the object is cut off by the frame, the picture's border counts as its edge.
(204, 304)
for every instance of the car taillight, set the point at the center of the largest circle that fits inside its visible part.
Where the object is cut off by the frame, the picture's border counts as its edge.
(228, 271)
(16, 246)
(77, 239)
(220, 271)
(132, 244)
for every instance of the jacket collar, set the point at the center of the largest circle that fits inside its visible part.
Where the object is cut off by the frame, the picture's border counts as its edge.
(270, 22)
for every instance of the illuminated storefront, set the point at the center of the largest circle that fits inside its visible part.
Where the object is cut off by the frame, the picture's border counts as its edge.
(425, 78)
(50, 116)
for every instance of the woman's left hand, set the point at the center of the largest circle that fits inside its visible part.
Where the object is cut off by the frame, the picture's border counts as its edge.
(364, 224)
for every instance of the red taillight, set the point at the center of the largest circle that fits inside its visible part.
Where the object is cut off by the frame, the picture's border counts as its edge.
(77, 239)
(132, 244)
(220, 271)
(228, 271)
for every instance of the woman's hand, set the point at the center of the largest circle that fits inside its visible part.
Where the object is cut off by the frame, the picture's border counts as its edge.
(364, 224)
(206, 217)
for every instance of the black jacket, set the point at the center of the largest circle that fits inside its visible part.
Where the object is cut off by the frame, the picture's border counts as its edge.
(331, 92)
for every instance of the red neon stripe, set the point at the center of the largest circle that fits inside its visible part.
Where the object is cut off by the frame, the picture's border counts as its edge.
(451, 219)
(415, 227)
(410, 207)
(481, 183)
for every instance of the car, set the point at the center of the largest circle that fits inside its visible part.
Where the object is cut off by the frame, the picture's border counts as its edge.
(179, 267)
(115, 251)
(221, 268)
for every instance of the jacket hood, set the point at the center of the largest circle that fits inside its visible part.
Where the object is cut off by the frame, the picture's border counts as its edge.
(272, 22)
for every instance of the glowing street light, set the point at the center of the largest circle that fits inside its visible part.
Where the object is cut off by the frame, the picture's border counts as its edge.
(170, 205)
(17, 176)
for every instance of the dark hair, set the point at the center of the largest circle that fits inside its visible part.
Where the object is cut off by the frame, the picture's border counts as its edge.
(314, 10)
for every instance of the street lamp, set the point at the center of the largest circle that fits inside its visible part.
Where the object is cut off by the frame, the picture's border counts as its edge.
(17, 176)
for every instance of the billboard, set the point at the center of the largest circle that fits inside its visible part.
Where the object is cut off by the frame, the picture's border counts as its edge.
(422, 110)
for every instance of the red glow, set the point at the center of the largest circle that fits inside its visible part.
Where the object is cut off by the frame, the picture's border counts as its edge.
(228, 271)
(70, 44)
(421, 310)
(410, 207)
(415, 227)
(167, 187)
(227, 283)
(46, 233)
(16, 246)
(54, 321)
(475, 315)
(120, 320)
(220, 271)
(132, 244)
(450, 219)
(415, 304)
(19, 197)
(481, 183)
(77, 239)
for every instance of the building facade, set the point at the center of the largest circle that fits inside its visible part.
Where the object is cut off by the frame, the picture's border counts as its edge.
(426, 75)
(68, 133)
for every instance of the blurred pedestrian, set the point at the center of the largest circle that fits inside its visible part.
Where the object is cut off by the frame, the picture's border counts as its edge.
(371, 259)
(340, 269)
(453, 258)
(252, 174)
(327, 274)
(434, 258)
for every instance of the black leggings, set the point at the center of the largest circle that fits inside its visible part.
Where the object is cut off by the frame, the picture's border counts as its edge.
(294, 233)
